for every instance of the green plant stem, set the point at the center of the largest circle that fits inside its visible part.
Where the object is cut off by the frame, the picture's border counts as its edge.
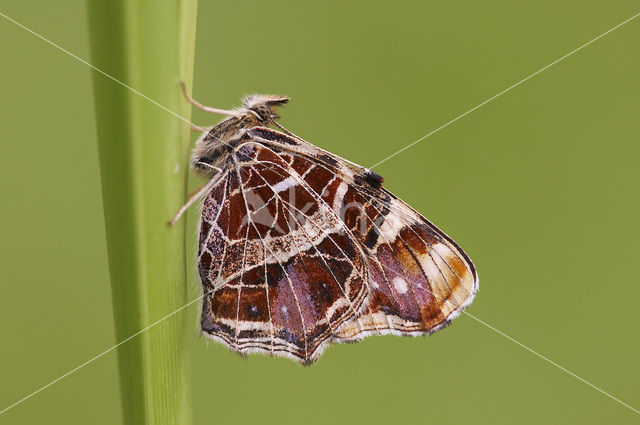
(148, 45)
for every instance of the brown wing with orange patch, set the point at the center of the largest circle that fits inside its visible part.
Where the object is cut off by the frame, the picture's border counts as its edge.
(419, 279)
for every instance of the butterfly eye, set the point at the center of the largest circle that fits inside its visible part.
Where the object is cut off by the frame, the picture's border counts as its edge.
(257, 115)
(263, 112)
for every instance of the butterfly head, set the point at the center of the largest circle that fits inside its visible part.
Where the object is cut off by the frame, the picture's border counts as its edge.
(263, 106)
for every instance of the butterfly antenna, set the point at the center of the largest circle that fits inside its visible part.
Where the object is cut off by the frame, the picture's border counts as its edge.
(281, 127)
(203, 107)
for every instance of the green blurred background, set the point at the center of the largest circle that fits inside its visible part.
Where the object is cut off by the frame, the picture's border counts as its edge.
(540, 187)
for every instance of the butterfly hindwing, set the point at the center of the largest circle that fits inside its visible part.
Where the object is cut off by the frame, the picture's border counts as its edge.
(419, 278)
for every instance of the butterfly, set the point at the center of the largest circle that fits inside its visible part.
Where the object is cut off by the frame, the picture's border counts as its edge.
(299, 248)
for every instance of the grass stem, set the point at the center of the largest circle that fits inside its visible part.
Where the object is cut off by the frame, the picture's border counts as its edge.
(149, 46)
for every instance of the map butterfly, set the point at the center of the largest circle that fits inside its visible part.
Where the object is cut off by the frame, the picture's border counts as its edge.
(299, 248)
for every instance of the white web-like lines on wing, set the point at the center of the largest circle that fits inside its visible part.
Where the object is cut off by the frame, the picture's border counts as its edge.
(401, 215)
(321, 201)
(214, 222)
(309, 275)
(266, 289)
(266, 284)
(244, 257)
(430, 251)
(212, 292)
(400, 211)
(304, 329)
(357, 243)
(371, 197)
(320, 255)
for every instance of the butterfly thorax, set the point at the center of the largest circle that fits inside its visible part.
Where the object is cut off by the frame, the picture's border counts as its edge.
(214, 147)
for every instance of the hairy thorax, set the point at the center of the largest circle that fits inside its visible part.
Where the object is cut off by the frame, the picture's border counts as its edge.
(214, 147)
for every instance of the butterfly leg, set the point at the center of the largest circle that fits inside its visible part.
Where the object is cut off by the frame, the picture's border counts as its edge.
(209, 169)
(201, 106)
(199, 194)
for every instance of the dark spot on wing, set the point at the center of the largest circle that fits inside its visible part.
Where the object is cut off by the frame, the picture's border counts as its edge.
(372, 238)
(374, 179)
(204, 266)
(324, 294)
(288, 336)
(253, 311)
(368, 177)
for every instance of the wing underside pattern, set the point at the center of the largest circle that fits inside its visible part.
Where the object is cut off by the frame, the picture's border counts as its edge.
(298, 250)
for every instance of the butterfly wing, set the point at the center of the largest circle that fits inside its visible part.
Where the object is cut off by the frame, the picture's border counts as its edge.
(279, 274)
(418, 279)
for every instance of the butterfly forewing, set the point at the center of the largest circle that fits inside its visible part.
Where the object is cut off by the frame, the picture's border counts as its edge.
(418, 278)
